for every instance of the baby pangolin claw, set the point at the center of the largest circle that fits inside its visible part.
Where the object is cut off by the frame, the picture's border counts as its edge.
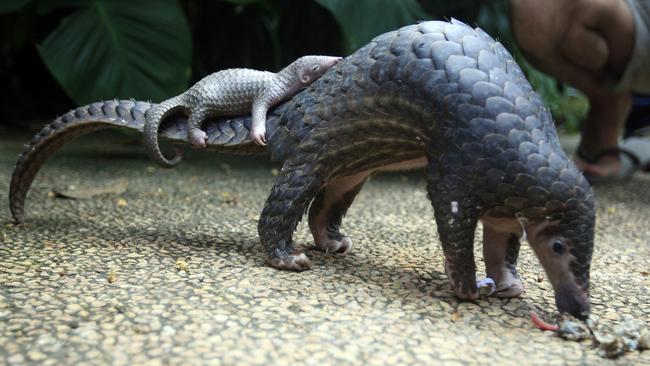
(198, 138)
(258, 135)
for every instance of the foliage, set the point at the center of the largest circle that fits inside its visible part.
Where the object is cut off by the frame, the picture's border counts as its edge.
(113, 48)
(99, 49)
(359, 23)
(8, 6)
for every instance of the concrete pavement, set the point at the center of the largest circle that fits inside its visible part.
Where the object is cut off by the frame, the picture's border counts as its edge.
(170, 272)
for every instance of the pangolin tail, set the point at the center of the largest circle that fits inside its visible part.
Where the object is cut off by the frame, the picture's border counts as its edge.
(96, 116)
(154, 117)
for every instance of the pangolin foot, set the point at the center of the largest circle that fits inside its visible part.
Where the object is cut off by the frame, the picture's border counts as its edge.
(198, 138)
(341, 245)
(468, 295)
(259, 136)
(463, 285)
(292, 262)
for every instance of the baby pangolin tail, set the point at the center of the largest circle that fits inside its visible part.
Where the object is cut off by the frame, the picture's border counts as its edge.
(154, 117)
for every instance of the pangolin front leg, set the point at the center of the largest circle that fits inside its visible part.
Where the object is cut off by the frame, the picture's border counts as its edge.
(456, 214)
(258, 130)
(457, 237)
(500, 252)
(195, 135)
(328, 209)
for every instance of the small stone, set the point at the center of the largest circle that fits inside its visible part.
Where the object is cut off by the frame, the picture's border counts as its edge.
(609, 345)
(16, 359)
(107, 326)
(644, 341)
(168, 331)
(611, 315)
(220, 318)
(73, 308)
(340, 300)
(36, 356)
(181, 265)
(229, 198)
(141, 328)
(111, 276)
(121, 202)
(455, 316)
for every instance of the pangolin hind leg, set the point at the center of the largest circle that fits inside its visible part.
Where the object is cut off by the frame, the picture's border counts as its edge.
(297, 185)
(328, 209)
(500, 252)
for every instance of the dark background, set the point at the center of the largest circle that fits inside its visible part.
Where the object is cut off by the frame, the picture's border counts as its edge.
(56, 54)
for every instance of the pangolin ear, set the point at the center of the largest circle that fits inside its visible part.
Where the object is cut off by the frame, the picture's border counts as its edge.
(304, 77)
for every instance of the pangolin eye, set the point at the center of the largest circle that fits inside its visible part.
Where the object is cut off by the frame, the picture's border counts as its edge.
(558, 247)
(315, 67)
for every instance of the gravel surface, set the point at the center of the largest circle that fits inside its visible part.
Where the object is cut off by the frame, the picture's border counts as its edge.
(171, 272)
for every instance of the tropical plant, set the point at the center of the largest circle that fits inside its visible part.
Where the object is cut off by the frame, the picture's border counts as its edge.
(126, 49)
(113, 46)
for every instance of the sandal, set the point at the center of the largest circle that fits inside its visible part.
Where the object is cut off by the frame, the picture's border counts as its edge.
(629, 164)
(640, 147)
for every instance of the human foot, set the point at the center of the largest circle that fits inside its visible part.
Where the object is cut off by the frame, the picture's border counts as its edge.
(608, 165)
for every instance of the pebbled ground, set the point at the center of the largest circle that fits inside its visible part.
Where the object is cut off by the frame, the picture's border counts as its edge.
(170, 272)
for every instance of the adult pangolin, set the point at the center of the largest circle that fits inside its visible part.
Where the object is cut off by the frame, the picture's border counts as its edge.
(439, 95)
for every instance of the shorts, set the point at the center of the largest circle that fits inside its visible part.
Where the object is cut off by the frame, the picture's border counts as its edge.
(636, 77)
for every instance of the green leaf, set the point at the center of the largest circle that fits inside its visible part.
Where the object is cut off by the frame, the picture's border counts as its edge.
(44, 7)
(120, 49)
(9, 6)
(245, 2)
(362, 20)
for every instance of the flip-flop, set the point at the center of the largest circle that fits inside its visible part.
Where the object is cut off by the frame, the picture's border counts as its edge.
(640, 147)
(629, 164)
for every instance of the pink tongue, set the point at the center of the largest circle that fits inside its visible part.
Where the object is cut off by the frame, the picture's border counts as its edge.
(542, 324)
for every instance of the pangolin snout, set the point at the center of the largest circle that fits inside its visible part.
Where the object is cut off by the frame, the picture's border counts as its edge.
(335, 60)
(570, 302)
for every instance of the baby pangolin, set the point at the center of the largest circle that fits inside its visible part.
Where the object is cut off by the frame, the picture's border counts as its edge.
(233, 92)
